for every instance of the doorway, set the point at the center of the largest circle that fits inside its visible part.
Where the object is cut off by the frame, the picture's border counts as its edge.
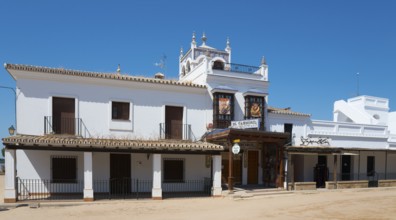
(346, 167)
(63, 115)
(174, 122)
(120, 173)
(253, 165)
(236, 168)
(269, 165)
(321, 172)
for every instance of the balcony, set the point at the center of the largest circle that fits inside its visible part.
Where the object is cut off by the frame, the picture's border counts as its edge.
(65, 126)
(329, 128)
(233, 67)
(176, 131)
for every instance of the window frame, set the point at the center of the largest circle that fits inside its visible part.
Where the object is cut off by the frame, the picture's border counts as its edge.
(61, 171)
(165, 171)
(123, 105)
(249, 100)
(222, 120)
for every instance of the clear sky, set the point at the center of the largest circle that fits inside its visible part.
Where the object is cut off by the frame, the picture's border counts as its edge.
(313, 48)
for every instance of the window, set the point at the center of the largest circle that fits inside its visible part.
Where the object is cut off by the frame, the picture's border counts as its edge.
(223, 110)
(173, 170)
(370, 166)
(254, 109)
(64, 169)
(120, 110)
(288, 128)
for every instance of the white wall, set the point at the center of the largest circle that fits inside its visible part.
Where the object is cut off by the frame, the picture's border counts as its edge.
(93, 105)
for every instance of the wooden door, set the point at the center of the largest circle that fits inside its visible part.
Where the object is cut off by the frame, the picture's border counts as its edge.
(253, 165)
(174, 122)
(237, 169)
(63, 115)
(120, 173)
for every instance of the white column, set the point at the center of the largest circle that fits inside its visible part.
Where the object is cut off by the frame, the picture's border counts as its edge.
(156, 192)
(10, 187)
(88, 189)
(216, 190)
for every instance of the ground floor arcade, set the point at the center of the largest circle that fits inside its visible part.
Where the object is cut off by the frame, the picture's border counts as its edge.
(323, 164)
(40, 167)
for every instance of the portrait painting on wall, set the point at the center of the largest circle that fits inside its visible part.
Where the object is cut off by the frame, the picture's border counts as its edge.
(224, 106)
(255, 110)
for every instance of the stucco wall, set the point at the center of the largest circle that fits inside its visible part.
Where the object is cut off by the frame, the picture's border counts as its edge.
(93, 105)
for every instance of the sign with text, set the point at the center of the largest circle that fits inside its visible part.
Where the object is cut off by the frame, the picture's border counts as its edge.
(245, 124)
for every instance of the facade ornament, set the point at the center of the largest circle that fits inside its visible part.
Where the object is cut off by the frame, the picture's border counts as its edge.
(204, 38)
(193, 42)
(228, 48)
(263, 61)
(181, 52)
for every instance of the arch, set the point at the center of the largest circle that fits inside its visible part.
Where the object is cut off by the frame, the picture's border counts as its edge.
(218, 65)
(188, 67)
(183, 71)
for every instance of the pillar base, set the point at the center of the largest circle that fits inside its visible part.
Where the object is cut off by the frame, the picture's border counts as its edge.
(216, 191)
(88, 199)
(10, 196)
(10, 200)
(88, 195)
(156, 193)
(157, 198)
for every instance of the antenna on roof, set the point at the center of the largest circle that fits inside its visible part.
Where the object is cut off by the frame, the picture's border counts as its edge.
(162, 63)
(357, 84)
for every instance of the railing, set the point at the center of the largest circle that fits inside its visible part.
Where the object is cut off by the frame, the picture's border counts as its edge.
(38, 189)
(65, 125)
(176, 131)
(240, 68)
(187, 188)
(124, 188)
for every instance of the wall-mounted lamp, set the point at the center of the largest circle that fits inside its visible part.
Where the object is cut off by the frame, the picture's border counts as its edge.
(148, 156)
(11, 130)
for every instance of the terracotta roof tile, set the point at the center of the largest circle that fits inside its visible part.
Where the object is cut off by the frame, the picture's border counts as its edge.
(76, 142)
(286, 111)
(114, 76)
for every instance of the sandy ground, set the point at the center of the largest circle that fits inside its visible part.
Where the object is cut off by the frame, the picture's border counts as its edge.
(379, 203)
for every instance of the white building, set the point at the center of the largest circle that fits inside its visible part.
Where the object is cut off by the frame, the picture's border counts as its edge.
(96, 135)
(99, 134)
(359, 144)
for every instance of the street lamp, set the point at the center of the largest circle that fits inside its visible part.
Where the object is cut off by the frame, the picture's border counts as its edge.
(11, 130)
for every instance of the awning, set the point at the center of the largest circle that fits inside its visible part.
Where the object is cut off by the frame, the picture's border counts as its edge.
(72, 143)
(227, 135)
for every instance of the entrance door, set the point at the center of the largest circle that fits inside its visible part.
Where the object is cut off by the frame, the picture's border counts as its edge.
(63, 115)
(321, 171)
(253, 163)
(346, 167)
(173, 122)
(120, 173)
(269, 166)
(236, 168)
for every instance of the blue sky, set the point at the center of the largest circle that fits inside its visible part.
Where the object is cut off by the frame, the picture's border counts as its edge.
(313, 48)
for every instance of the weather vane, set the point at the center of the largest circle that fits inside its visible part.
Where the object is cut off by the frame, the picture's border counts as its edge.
(162, 63)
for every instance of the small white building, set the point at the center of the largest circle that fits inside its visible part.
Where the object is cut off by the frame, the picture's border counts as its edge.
(359, 144)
